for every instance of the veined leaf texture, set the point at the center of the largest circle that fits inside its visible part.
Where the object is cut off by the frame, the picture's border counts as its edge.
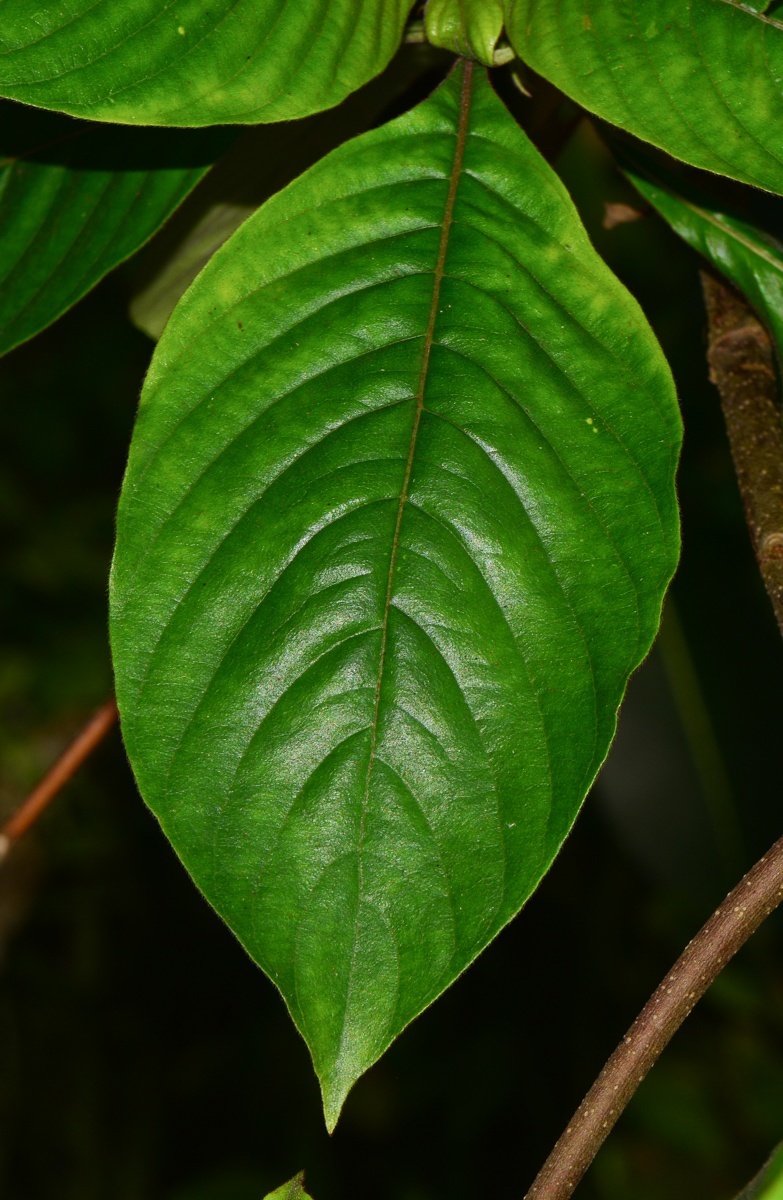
(397, 524)
(199, 62)
(745, 254)
(76, 199)
(701, 79)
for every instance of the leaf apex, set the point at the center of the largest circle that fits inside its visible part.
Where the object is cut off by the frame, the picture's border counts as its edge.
(333, 1095)
(292, 1190)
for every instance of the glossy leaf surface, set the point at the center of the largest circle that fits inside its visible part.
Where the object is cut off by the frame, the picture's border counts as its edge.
(76, 199)
(750, 258)
(210, 62)
(397, 524)
(702, 79)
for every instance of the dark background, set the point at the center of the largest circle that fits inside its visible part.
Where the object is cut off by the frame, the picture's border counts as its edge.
(144, 1057)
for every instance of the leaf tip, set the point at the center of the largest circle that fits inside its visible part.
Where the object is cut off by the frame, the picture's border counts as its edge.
(333, 1100)
(335, 1087)
(292, 1190)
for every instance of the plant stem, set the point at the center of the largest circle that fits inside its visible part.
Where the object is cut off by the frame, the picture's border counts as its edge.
(68, 762)
(742, 365)
(740, 914)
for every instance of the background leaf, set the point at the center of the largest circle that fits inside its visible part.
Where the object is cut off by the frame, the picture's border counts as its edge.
(698, 78)
(768, 1184)
(209, 63)
(749, 257)
(396, 528)
(76, 199)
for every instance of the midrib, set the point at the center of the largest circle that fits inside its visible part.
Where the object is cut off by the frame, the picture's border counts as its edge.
(456, 171)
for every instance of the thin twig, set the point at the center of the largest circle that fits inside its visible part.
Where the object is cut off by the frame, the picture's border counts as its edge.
(741, 913)
(742, 365)
(68, 762)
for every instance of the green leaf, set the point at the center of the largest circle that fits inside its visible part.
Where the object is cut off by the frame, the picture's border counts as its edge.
(768, 1184)
(750, 258)
(76, 199)
(397, 523)
(699, 78)
(293, 1190)
(140, 62)
(468, 27)
(263, 160)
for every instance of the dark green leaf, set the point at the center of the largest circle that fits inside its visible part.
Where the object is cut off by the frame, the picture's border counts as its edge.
(76, 199)
(701, 79)
(210, 62)
(264, 160)
(748, 257)
(397, 524)
(768, 1184)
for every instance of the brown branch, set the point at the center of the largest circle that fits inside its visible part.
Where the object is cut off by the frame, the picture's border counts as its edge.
(69, 762)
(742, 366)
(741, 913)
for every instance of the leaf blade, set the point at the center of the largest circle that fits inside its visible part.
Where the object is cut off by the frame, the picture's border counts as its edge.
(76, 200)
(751, 259)
(400, 800)
(676, 74)
(138, 63)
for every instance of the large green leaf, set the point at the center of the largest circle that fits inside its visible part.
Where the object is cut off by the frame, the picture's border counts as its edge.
(396, 527)
(76, 199)
(200, 62)
(750, 258)
(701, 79)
